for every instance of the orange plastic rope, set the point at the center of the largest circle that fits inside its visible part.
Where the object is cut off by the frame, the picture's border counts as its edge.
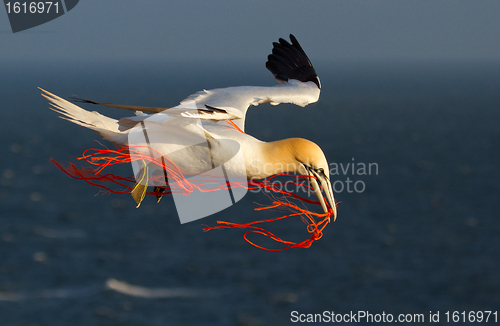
(315, 228)
(102, 158)
(230, 122)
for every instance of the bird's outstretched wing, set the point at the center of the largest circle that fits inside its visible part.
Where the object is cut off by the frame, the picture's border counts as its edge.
(291, 67)
(299, 84)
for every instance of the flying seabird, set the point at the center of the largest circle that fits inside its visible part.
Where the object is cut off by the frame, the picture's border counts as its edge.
(298, 84)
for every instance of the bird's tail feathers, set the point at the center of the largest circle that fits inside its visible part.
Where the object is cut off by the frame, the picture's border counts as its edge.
(104, 126)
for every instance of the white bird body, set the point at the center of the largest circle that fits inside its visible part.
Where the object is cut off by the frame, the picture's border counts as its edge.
(169, 130)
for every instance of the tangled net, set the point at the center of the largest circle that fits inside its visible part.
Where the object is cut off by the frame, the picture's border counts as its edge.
(288, 202)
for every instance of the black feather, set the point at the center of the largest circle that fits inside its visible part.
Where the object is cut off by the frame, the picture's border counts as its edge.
(214, 109)
(126, 107)
(289, 61)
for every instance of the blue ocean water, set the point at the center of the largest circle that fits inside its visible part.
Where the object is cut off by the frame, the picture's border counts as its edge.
(422, 236)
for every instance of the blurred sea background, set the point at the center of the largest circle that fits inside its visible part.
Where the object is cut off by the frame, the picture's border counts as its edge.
(423, 236)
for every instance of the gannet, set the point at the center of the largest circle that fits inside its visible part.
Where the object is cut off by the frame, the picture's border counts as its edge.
(298, 84)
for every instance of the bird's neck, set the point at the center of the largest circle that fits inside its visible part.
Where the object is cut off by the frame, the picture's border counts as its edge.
(278, 157)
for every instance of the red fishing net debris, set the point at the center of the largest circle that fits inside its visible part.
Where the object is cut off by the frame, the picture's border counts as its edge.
(285, 201)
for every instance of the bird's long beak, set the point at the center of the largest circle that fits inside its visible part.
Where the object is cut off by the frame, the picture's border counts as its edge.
(327, 188)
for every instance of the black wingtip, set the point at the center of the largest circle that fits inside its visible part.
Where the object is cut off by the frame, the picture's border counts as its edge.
(289, 61)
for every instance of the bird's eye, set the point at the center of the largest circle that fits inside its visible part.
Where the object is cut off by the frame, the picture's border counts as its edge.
(321, 170)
